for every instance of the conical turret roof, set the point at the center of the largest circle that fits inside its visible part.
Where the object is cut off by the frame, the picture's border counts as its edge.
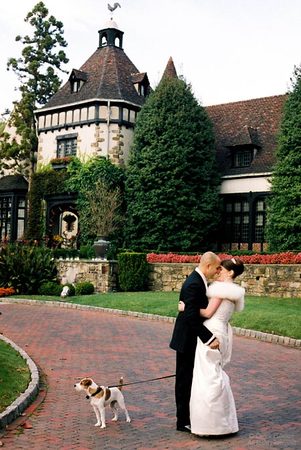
(170, 70)
(108, 74)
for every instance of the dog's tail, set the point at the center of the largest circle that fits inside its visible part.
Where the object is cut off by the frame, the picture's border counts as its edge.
(120, 383)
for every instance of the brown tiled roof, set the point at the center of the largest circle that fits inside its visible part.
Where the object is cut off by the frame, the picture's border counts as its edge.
(252, 122)
(79, 75)
(139, 77)
(109, 76)
(170, 70)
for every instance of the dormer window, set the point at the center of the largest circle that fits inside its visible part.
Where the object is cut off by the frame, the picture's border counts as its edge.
(242, 157)
(141, 83)
(76, 85)
(243, 146)
(77, 79)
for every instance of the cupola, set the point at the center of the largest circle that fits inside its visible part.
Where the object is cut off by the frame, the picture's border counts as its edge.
(110, 35)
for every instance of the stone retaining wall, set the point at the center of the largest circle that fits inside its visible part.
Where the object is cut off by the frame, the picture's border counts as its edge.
(102, 274)
(275, 280)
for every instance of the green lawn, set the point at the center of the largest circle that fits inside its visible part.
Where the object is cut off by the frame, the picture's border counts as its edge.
(14, 375)
(272, 315)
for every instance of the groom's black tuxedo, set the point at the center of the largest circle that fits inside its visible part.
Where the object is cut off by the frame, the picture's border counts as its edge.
(189, 323)
(188, 327)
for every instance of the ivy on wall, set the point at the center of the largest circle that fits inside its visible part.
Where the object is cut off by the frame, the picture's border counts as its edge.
(42, 183)
(85, 178)
(80, 177)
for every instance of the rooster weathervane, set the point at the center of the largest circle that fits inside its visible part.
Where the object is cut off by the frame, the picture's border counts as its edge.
(112, 8)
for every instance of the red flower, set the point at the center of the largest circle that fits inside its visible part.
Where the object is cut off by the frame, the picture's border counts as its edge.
(276, 258)
(6, 291)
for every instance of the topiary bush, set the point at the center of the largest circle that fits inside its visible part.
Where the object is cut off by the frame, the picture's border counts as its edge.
(132, 271)
(50, 288)
(84, 288)
(26, 267)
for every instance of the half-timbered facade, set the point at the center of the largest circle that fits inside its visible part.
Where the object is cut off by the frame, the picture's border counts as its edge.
(93, 115)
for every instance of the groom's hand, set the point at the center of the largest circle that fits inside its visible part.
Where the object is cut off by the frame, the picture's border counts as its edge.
(214, 344)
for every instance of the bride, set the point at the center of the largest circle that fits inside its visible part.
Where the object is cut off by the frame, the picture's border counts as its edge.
(212, 407)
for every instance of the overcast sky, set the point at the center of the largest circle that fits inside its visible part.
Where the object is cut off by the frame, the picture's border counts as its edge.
(228, 50)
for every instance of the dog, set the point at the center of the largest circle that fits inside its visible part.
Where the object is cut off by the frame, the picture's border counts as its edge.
(65, 291)
(100, 397)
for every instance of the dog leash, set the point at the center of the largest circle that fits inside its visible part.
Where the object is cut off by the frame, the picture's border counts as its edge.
(142, 381)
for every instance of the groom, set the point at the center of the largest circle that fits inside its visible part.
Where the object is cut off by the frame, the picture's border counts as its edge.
(188, 327)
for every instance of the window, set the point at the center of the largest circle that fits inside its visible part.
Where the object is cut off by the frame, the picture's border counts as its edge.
(8, 205)
(66, 145)
(141, 90)
(242, 157)
(5, 217)
(237, 220)
(104, 40)
(77, 79)
(244, 220)
(75, 85)
(259, 220)
(20, 218)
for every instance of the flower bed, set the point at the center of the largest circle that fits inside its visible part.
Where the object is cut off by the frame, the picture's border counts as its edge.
(4, 292)
(276, 258)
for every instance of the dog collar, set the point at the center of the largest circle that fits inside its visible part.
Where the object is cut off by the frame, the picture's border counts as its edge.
(96, 392)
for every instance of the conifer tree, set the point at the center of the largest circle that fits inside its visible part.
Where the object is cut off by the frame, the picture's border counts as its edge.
(37, 71)
(172, 180)
(284, 211)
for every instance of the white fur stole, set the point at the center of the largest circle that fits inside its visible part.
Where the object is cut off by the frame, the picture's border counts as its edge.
(228, 290)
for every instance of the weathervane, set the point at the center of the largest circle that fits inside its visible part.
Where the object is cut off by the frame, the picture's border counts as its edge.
(112, 8)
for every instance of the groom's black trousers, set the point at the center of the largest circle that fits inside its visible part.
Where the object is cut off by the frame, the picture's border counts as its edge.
(184, 372)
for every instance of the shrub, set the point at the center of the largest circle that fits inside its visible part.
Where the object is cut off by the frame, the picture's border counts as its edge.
(50, 288)
(86, 252)
(84, 288)
(133, 271)
(65, 253)
(25, 267)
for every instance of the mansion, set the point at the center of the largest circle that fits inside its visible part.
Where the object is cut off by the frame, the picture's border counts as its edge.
(93, 115)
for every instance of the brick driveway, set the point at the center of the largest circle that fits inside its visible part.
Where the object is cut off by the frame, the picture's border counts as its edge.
(70, 343)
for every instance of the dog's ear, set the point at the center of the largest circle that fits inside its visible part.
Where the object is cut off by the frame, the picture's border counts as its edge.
(86, 382)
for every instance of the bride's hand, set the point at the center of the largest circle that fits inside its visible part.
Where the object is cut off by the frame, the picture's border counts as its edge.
(181, 306)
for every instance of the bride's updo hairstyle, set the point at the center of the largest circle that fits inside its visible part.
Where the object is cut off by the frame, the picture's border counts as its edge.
(234, 264)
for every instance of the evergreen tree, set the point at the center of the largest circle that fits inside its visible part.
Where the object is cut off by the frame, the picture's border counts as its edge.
(172, 181)
(37, 72)
(284, 212)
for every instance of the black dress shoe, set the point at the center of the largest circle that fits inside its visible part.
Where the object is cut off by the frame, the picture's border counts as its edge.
(185, 428)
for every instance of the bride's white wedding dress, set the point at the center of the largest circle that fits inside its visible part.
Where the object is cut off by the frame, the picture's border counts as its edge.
(212, 406)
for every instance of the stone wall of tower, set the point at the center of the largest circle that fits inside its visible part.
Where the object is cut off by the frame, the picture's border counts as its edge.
(105, 131)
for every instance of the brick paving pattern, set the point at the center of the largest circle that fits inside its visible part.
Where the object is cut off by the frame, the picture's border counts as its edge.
(68, 344)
